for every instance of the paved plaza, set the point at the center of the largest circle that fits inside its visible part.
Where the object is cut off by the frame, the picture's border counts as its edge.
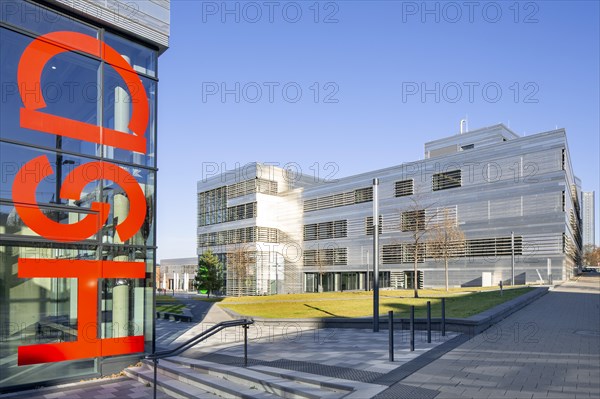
(549, 349)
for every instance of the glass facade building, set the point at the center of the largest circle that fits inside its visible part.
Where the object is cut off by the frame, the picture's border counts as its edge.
(77, 193)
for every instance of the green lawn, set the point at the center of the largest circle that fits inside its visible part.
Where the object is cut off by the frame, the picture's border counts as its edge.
(459, 303)
(178, 308)
(165, 298)
(211, 299)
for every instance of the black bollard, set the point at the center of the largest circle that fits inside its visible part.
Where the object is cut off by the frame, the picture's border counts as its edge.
(245, 326)
(412, 328)
(391, 335)
(443, 317)
(428, 322)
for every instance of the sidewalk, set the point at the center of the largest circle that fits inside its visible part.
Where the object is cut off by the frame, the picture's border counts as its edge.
(549, 349)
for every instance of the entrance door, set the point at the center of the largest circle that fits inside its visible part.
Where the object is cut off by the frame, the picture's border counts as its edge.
(409, 279)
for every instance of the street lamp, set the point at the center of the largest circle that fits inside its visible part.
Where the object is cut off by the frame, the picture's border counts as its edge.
(375, 255)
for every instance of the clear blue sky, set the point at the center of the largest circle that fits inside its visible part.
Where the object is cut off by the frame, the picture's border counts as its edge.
(367, 58)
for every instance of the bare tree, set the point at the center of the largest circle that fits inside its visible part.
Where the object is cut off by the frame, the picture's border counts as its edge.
(321, 269)
(239, 263)
(416, 220)
(318, 258)
(447, 240)
(591, 255)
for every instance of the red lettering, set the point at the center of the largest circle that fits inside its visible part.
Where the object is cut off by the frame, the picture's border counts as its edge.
(87, 273)
(32, 62)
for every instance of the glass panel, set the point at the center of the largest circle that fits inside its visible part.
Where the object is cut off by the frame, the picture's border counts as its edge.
(48, 189)
(40, 20)
(11, 223)
(68, 85)
(118, 107)
(328, 281)
(124, 304)
(120, 208)
(37, 311)
(141, 58)
(311, 285)
(127, 303)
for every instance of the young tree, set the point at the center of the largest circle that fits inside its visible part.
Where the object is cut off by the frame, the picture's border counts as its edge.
(209, 274)
(447, 240)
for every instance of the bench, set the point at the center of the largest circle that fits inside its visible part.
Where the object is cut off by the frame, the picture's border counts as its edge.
(174, 316)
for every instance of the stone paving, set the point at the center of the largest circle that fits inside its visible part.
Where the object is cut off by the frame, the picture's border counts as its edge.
(549, 349)
(99, 389)
(348, 348)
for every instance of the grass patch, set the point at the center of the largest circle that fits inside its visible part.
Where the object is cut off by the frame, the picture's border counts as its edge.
(216, 299)
(165, 298)
(313, 296)
(178, 309)
(459, 303)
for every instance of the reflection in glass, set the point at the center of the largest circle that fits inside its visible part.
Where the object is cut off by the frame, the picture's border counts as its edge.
(37, 311)
(69, 87)
(142, 59)
(48, 189)
(118, 107)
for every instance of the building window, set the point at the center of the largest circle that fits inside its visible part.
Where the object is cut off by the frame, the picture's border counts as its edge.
(446, 180)
(239, 236)
(326, 230)
(363, 195)
(311, 232)
(212, 208)
(369, 225)
(326, 257)
(251, 186)
(403, 188)
(413, 220)
(402, 253)
(391, 254)
(492, 247)
(339, 199)
(467, 147)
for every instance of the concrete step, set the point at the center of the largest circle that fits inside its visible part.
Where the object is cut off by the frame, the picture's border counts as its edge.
(170, 386)
(217, 385)
(355, 389)
(247, 379)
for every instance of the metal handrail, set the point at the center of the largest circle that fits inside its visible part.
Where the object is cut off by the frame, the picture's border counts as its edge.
(199, 338)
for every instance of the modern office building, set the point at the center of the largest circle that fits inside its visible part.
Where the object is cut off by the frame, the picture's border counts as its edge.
(280, 231)
(588, 206)
(177, 275)
(77, 194)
